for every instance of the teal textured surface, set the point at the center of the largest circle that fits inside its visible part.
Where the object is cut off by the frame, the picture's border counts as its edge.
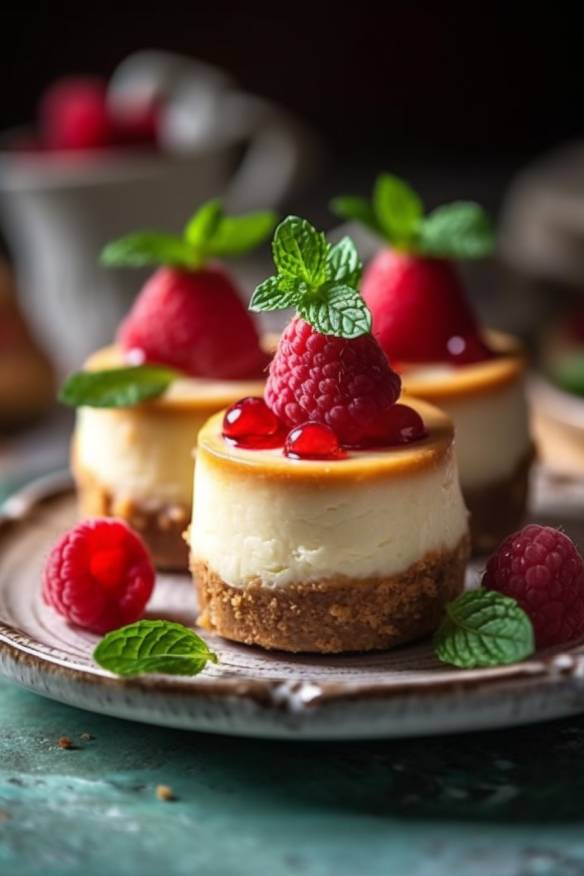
(498, 804)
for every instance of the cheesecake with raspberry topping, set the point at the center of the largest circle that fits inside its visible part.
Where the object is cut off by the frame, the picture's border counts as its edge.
(187, 349)
(329, 517)
(136, 462)
(487, 404)
(424, 322)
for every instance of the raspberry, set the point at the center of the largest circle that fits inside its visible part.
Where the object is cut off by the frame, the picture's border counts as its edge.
(420, 310)
(196, 322)
(74, 114)
(542, 569)
(345, 383)
(99, 575)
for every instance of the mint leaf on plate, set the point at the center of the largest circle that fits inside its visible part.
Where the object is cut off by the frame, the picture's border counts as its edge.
(483, 628)
(398, 208)
(461, 230)
(153, 646)
(148, 248)
(116, 387)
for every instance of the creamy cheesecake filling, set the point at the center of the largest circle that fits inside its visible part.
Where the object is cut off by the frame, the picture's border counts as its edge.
(491, 434)
(145, 453)
(487, 403)
(147, 457)
(252, 525)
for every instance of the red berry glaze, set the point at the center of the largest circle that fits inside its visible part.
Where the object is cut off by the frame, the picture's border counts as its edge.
(313, 441)
(404, 425)
(74, 115)
(345, 384)
(420, 311)
(196, 322)
(250, 423)
(542, 569)
(99, 575)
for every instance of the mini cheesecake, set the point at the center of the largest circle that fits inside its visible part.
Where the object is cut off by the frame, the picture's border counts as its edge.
(186, 348)
(487, 404)
(355, 554)
(137, 462)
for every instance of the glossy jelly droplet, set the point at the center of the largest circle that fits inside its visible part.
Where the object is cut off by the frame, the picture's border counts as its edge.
(404, 425)
(313, 441)
(250, 423)
(467, 349)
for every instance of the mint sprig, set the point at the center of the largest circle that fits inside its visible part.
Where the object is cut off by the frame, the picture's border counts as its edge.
(208, 234)
(116, 387)
(461, 230)
(318, 279)
(153, 646)
(483, 628)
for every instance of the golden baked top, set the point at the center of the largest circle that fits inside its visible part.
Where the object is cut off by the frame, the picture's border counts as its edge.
(439, 382)
(200, 394)
(358, 465)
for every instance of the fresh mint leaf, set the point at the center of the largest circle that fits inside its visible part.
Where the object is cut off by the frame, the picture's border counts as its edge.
(337, 310)
(201, 228)
(300, 251)
(116, 387)
(235, 235)
(318, 279)
(483, 628)
(153, 646)
(277, 293)
(568, 373)
(359, 209)
(343, 263)
(148, 248)
(461, 230)
(208, 234)
(398, 209)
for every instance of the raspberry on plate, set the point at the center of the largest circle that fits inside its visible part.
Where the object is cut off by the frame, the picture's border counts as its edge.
(99, 575)
(543, 570)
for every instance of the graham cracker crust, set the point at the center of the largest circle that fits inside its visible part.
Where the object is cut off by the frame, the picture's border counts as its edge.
(337, 614)
(499, 508)
(161, 528)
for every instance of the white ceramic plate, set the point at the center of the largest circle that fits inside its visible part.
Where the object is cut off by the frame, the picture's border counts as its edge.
(251, 692)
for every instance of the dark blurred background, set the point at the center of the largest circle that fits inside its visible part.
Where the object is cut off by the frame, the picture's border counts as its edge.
(459, 98)
(471, 89)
